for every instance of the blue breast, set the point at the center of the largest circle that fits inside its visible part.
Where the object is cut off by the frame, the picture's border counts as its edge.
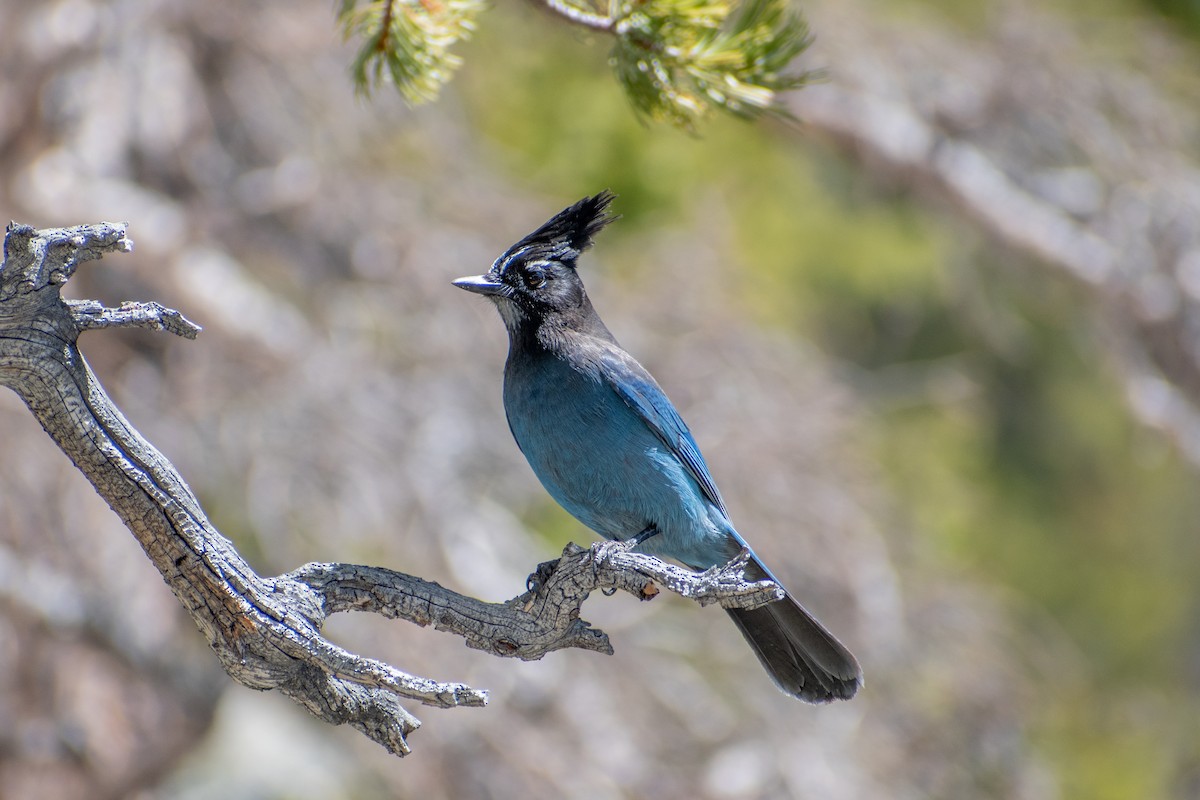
(599, 460)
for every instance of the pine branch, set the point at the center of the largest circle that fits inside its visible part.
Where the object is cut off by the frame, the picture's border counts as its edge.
(679, 61)
(407, 42)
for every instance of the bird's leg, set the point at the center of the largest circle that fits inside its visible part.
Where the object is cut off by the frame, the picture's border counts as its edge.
(651, 531)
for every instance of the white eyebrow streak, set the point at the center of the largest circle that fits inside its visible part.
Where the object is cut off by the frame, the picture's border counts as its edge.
(506, 260)
(556, 250)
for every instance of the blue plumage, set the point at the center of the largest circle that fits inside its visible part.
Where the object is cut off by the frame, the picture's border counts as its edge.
(608, 445)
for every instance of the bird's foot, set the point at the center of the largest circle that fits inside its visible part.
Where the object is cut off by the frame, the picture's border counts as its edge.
(540, 575)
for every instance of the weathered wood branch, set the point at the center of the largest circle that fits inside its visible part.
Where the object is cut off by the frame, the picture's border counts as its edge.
(266, 632)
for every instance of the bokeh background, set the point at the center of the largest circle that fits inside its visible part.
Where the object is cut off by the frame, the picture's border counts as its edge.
(940, 344)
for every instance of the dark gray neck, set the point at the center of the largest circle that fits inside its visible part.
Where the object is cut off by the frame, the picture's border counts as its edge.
(555, 331)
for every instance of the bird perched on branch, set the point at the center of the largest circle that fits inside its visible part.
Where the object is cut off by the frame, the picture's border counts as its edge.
(611, 449)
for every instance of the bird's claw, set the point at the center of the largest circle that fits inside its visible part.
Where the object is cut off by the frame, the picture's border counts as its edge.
(537, 579)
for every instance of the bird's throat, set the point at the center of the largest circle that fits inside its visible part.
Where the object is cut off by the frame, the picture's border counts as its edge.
(512, 314)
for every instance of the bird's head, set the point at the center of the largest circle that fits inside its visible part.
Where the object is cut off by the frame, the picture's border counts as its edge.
(536, 276)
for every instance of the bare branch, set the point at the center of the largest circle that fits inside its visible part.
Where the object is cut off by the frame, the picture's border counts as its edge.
(603, 23)
(543, 619)
(266, 632)
(90, 315)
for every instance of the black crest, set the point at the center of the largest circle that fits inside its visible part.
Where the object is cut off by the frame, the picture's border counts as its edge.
(565, 236)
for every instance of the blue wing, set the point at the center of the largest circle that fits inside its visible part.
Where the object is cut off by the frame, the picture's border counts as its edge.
(638, 389)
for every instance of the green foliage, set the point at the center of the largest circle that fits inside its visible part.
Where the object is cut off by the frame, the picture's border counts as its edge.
(680, 59)
(1185, 12)
(1037, 479)
(407, 42)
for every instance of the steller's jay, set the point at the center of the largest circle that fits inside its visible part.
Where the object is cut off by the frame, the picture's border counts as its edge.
(608, 445)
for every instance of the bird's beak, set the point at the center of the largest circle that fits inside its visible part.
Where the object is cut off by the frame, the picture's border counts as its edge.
(480, 284)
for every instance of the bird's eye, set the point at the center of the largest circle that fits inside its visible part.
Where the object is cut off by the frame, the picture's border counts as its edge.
(535, 278)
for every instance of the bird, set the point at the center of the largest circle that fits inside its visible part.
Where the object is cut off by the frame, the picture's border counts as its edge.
(611, 449)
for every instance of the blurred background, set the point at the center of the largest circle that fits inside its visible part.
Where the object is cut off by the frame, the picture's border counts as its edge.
(940, 343)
